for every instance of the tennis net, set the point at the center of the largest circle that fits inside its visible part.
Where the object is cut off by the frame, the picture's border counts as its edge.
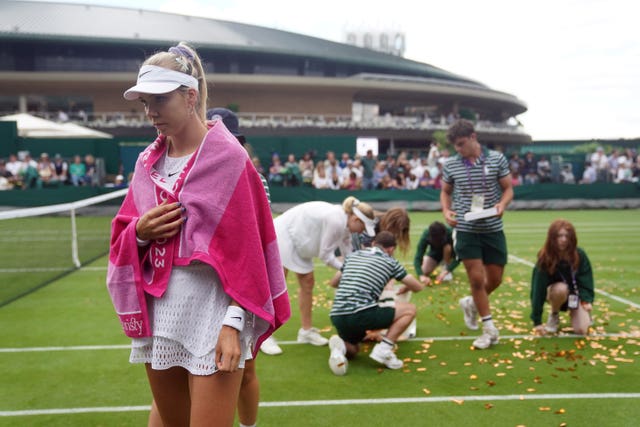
(40, 245)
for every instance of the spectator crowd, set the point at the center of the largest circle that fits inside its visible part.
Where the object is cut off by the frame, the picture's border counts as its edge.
(406, 171)
(412, 170)
(25, 172)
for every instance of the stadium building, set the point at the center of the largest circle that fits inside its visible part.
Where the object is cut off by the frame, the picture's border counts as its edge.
(293, 93)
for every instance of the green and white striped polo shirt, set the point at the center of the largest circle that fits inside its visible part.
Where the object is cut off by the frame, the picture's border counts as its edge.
(479, 178)
(365, 273)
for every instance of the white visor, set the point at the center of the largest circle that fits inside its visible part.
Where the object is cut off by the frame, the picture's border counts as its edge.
(369, 224)
(155, 80)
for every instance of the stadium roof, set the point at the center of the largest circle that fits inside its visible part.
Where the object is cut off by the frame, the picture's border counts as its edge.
(30, 19)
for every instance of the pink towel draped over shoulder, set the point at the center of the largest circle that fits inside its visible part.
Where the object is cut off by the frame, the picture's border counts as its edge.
(229, 227)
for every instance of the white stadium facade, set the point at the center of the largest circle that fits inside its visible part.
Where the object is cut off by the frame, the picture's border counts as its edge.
(78, 59)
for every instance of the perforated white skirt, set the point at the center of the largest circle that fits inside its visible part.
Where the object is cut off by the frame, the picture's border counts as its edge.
(186, 322)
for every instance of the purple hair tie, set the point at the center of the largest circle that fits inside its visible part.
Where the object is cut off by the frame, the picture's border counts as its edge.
(181, 51)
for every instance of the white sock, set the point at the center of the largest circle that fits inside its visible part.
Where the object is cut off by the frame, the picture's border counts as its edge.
(487, 322)
(246, 425)
(386, 342)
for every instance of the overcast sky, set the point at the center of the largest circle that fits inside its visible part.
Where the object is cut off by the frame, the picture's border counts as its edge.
(575, 63)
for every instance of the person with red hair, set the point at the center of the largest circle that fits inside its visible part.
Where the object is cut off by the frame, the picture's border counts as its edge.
(563, 277)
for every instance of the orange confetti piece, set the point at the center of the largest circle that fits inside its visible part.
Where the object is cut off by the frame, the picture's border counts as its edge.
(473, 377)
(421, 369)
(426, 391)
(488, 405)
(458, 402)
(560, 411)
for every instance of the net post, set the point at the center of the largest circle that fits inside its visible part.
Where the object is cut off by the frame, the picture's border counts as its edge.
(74, 240)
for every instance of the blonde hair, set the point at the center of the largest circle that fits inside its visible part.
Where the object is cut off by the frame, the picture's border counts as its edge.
(350, 202)
(184, 59)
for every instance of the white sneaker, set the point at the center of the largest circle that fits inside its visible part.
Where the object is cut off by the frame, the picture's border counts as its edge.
(337, 358)
(383, 354)
(489, 337)
(552, 323)
(448, 277)
(311, 336)
(470, 312)
(270, 346)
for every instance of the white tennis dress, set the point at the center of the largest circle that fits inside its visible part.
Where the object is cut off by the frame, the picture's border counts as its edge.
(186, 320)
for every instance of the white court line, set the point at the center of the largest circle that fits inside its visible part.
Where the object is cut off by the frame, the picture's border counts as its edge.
(598, 291)
(430, 339)
(301, 403)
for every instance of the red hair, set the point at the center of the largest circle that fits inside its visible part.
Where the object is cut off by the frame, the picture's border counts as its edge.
(396, 221)
(550, 254)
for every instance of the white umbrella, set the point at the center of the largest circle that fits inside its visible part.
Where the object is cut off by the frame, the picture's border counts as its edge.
(35, 127)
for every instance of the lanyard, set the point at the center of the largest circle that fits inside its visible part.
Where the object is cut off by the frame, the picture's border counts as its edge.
(468, 165)
(574, 285)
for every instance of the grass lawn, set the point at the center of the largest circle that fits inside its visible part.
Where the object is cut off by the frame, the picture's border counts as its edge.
(64, 360)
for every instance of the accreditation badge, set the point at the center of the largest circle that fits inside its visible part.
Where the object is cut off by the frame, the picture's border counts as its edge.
(477, 202)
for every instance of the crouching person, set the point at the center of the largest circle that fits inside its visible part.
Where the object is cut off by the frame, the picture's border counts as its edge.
(562, 277)
(356, 308)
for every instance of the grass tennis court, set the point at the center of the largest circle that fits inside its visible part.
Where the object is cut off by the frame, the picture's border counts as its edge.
(64, 360)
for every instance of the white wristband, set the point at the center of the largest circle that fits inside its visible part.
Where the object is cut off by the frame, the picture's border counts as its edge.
(234, 318)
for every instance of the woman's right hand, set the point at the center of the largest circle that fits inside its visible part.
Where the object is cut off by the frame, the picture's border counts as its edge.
(161, 222)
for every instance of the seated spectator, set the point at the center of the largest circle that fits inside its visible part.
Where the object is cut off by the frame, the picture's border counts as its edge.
(411, 182)
(336, 178)
(600, 161)
(624, 173)
(14, 165)
(345, 161)
(46, 171)
(275, 170)
(589, 176)
(401, 181)
(6, 177)
(291, 172)
(352, 182)
(379, 173)
(77, 171)
(425, 180)
(306, 167)
(516, 179)
(388, 183)
(91, 171)
(515, 163)
(320, 179)
(29, 173)
(566, 175)
(530, 169)
(544, 170)
(62, 169)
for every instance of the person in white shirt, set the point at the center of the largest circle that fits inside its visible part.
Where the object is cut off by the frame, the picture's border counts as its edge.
(317, 229)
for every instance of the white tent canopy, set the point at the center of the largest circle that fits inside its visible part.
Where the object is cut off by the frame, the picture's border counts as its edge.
(34, 127)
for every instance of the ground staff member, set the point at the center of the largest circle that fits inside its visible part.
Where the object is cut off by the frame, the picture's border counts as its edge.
(563, 277)
(474, 180)
(357, 309)
(435, 247)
